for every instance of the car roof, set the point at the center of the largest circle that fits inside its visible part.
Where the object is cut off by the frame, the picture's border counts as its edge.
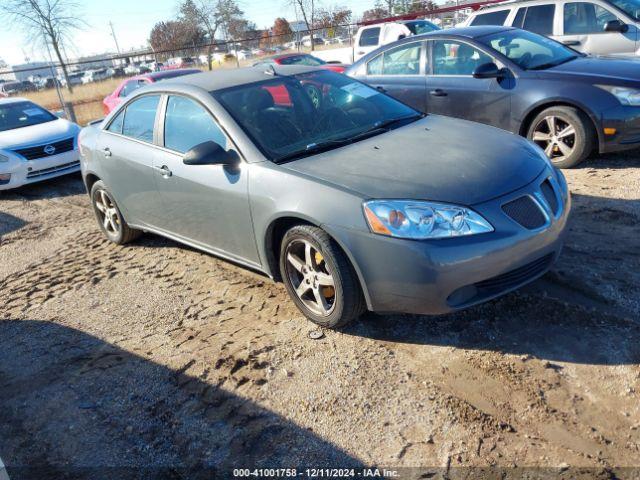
(226, 78)
(155, 76)
(5, 101)
(469, 32)
(507, 4)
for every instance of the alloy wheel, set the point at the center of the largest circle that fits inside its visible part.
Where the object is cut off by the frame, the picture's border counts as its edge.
(107, 212)
(556, 136)
(311, 280)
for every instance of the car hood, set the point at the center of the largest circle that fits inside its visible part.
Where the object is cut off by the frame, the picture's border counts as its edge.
(610, 68)
(436, 158)
(38, 134)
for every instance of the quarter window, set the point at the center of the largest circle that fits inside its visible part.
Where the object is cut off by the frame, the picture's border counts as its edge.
(369, 37)
(139, 118)
(188, 124)
(131, 86)
(584, 17)
(491, 18)
(539, 19)
(456, 58)
(116, 124)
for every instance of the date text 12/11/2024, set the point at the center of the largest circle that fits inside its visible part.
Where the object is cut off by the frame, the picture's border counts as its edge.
(315, 473)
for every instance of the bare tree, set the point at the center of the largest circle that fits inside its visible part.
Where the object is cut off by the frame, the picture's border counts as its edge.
(308, 11)
(48, 22)
(204, 14)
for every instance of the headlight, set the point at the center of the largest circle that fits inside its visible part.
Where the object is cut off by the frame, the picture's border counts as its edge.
(422, 220)
(626, 96)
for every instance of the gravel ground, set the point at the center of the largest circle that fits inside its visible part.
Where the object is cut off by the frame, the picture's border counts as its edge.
(158, 361)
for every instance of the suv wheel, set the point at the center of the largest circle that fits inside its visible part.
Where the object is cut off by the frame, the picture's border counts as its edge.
(564, 133)
(111, 221)
(319, 277)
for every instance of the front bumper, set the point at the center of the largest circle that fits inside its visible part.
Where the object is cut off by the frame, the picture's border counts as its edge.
(441, 276)
(626, 120)
(24, 172)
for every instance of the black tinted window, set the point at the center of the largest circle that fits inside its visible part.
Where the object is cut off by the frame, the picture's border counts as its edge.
(539, 19)
(584, 17)
(188, 124)
(140, 117)
(369, 37)
(519, 20)
(491, 18)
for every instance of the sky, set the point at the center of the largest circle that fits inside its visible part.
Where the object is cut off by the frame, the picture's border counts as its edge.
(132, 22)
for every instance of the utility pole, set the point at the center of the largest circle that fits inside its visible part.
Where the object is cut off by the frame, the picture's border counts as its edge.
(113, 34)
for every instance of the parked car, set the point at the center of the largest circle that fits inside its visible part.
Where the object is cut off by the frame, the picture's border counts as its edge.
(13, 88)
(358, 203)
(566, 102)
(131, 84)
(599, 27)
(179, 62)
(301, 59)
(97, 75)
(75, 78)
(35, 145)
(306, 40)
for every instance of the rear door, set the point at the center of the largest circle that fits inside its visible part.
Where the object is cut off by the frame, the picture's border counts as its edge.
(452, 90)
(367, 41)
(583, 26)
(126, 147)
(399, 72)
(204, 204)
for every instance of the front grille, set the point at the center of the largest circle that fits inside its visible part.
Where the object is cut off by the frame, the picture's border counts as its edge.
(550, 195)
(56, 169)
(515, 277)
(526, 212)
(33, 153)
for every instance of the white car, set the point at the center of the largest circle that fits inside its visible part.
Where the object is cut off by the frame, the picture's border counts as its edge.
(35, 145)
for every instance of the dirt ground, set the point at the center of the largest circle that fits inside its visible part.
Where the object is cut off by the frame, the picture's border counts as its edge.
(157, 361)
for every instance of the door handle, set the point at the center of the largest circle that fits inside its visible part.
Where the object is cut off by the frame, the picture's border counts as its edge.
(381, 89)
(106, 151)
(438, 92)
(571, 43)
(361, 52)
(164, 171)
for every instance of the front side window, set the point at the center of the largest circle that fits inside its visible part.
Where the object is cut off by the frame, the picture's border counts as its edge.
(22, 114)
(491, 18)
(539, 19)
(630, 7)
(369, 37)
(585, 17)
(456, 58)
(418, 27)
(140, 117)
(294, 116)
(188, 124)
(529, 50)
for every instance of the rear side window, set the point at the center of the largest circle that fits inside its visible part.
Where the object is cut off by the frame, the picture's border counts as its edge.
(491, 18)
(188, 124)
(584, 17)
(139, 118)
(519, 20)
(539, 19)
(369, 37)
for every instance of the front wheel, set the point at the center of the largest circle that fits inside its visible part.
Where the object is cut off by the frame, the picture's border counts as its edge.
(564, 133)
(319, 277)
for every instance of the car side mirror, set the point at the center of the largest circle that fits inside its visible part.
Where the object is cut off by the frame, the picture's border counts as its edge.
(210, 153)
(616, 26)
(487, 70)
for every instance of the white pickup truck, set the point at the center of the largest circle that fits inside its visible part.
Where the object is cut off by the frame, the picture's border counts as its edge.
(370, 37)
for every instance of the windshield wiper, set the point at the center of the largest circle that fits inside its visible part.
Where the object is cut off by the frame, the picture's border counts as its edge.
(544, 66)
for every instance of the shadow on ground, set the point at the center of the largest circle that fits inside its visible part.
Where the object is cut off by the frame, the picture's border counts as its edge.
(53, 188)
(9, 223)
(74, 406)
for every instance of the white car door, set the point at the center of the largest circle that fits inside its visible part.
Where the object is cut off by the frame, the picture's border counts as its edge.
(583, 28)
(367, 40)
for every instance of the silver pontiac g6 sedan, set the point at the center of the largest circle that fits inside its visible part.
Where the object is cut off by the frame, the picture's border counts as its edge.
(351, 198)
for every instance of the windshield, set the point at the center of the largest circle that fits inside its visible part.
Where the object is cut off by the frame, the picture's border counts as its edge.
(22, 114)
(421, 26)
(630, 7)
(293, 116)
(529, 51)
(301, 60)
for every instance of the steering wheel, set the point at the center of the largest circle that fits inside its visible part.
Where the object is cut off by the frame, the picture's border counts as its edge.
(333, 119)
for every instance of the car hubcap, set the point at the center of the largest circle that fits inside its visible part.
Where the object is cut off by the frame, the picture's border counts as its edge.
(556, 137)
(107, 212)
(310, 278)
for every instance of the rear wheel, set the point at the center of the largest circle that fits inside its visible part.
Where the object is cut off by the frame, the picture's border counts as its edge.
(319, 277)
(110, 220)
(564, 133)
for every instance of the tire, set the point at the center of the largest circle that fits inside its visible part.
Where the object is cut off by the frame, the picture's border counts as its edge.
(583, 139)
(117, 230)
(347, 302)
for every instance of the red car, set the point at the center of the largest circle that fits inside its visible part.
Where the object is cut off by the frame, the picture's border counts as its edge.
(130, 84)
(302, 59)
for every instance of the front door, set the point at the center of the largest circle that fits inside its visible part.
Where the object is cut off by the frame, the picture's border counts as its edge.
(584, 30)
(399, 72)
(204, 204)
(453, 91)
